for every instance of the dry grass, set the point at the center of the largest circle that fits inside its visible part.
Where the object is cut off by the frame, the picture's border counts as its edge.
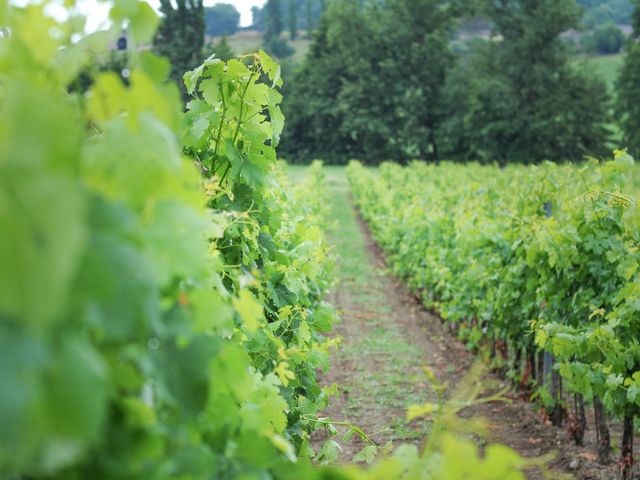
(249, 41)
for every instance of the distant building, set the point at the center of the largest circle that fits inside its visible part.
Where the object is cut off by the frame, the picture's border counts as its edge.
(121, 44)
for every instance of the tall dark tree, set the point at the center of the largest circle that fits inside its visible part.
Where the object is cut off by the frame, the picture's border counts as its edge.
(314, 116)
(418, 71)
(273, 42)
(257, 18)
(273, 20)
(628, 89)
(223, 50)
(293, 19)
(308, 14)
(532, 105)
(180, 36)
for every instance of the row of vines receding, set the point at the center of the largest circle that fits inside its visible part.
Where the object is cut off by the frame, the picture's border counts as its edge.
(536, 265)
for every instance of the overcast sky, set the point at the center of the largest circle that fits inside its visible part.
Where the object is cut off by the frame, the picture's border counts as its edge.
(244, 7)
(97, 12)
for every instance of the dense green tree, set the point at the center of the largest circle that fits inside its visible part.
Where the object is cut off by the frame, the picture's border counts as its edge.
(606, 39)
(293, 19)
(372, 84)
(308, 13)
(223, 50)
(531, 104)
(278, 47)
(180, 36)
(257, 18)
(382, 82)
(221, 19)
(470, 75)
(273, 20)
(418, 70)
(312, 111)
(628, 91)
(273, 42)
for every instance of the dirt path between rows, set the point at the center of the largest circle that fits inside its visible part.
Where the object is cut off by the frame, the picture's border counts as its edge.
(387, 339)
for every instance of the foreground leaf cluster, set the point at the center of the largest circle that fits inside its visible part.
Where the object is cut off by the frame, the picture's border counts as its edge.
(154, 322)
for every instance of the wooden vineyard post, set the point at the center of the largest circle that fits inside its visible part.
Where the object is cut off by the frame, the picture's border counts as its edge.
(531, 365)
(602, 432)
(627, 459)
(516, 366)
(540, 369)
(580, 419)
(553, 382)
(529, 372)
(551, 377)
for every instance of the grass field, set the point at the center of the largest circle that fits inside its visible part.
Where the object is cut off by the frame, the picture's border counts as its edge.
(248, 41)
(377, 391)
(606, 67)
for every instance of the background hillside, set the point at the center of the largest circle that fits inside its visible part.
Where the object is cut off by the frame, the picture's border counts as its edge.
(598, 12)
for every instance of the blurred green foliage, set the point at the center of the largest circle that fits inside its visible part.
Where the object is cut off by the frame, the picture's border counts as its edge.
(606, 39)
(221, 19)
(222, 49)
(154, 322)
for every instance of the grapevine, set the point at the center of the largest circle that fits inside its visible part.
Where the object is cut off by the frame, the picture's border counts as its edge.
(528, 259)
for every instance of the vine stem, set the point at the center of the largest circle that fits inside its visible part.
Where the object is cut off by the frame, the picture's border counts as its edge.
(244, 92)
(361, 433)
(221, 126)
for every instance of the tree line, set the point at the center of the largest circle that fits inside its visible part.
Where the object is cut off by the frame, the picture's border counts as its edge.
(394, 81)
(295, 14)
(186, 24)
(386, 81)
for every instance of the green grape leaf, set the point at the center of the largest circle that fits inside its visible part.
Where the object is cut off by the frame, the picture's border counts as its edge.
(249, 309)
(366, 455)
